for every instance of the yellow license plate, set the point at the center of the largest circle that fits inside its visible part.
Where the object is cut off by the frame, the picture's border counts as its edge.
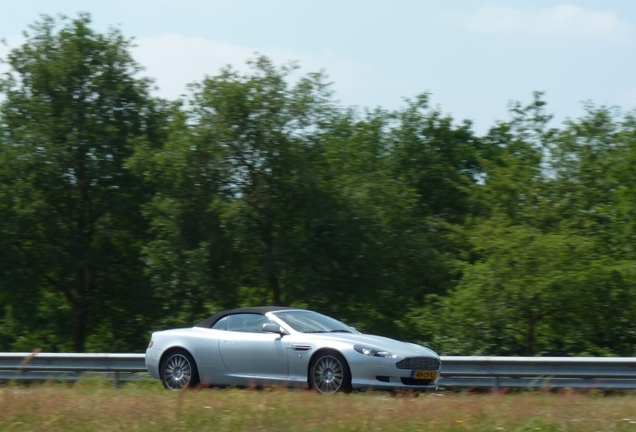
(423, 374)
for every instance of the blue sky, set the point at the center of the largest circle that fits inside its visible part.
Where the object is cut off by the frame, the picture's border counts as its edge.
(473, 56)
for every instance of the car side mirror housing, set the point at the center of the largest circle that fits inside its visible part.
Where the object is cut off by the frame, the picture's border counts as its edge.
(273, 328)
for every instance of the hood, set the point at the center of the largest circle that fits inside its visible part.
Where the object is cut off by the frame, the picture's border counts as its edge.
(379, 342)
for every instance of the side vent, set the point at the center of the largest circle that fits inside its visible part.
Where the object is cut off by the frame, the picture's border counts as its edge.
(298, 347)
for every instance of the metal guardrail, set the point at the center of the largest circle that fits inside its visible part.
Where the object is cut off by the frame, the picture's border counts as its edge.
(457, 372)
(532, 372)
(63, 366)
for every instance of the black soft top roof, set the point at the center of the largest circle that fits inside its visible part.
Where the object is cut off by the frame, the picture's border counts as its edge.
(209, 322)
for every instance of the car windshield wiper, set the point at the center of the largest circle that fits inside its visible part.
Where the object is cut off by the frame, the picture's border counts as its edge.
(315, 331)
(339, 331)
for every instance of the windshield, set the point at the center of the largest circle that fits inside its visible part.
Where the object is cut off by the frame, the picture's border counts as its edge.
(312, 322)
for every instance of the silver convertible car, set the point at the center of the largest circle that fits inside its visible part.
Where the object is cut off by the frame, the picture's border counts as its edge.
(260, 346)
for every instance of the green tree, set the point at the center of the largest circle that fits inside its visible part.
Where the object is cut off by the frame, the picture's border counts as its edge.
(545, 274)
(522, 298)
(268, 192)
(232, 183)
(72, 108)
(364, 256)
(595, 176)
(437, 158)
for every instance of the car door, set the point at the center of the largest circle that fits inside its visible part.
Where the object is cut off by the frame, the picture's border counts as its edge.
(246, 350)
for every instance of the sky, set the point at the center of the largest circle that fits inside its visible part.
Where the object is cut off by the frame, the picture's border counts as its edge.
(474, 57)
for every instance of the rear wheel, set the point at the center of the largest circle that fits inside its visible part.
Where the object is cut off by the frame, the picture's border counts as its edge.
(329, 373)
(179, 370)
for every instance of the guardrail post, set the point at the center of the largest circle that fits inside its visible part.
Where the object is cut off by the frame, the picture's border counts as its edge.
(116, 380)
(495, 384)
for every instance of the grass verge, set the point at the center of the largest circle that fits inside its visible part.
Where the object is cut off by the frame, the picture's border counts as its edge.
(145, 407)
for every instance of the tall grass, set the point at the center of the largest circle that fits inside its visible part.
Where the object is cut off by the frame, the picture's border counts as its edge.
(94, 406)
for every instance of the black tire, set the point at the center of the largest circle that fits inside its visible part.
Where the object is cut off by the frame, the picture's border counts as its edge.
(178, 370)
(329, 373)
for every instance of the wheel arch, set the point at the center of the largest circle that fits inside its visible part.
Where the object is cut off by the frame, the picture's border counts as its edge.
(172, 349)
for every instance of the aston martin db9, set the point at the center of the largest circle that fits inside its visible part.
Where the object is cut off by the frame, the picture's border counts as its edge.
(263, 346)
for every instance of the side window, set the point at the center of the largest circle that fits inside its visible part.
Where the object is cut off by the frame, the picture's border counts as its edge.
(220, 324)
(248, 323)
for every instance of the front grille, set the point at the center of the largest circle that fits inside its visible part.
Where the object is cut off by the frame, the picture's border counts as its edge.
(414, 382)
(419, 363)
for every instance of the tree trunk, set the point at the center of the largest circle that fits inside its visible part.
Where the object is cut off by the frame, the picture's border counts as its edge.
(80, 313)
(275, 289)
(530, 339)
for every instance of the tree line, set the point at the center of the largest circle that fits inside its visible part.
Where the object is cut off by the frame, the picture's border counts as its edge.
(122, 213)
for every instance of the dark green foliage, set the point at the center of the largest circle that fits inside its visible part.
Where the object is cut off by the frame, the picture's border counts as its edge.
(551, 271)
(121, 214)
(71, 226)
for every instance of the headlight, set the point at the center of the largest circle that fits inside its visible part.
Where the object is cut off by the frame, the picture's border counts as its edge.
(373, 352)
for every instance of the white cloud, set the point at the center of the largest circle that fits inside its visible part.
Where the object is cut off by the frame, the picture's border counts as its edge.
(175, 60)
(565, 19)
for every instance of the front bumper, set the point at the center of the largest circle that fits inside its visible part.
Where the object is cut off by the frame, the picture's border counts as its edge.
(381, 374)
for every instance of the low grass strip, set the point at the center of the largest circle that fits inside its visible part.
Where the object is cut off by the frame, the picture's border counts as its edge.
(147, 407)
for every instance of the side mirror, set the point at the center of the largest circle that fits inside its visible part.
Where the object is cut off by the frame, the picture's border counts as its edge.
(273, 328)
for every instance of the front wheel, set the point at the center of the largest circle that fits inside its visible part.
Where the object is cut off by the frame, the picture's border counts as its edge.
(179, 371)
(329, 373)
